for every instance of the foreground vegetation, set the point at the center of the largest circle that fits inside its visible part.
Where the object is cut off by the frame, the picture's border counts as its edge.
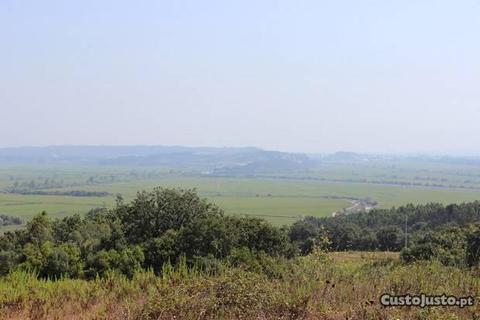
(318, 286)
(171, 254)
(158, 227)
(168, 225)
(448, 234)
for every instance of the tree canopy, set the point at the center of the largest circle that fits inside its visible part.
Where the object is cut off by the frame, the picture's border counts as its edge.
(156, 228)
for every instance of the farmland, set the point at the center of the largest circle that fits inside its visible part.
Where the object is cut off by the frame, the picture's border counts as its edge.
(281, 197)
(166, 253)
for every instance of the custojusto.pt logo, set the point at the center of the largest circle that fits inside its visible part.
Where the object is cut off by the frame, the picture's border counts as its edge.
(424, 300)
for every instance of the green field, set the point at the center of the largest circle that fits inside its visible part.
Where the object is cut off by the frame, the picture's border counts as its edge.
(282, 199)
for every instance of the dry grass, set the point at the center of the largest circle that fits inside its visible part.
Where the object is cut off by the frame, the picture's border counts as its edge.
(362, 256)
(320, 286)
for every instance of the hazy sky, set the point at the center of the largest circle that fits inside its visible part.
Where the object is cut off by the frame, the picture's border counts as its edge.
(313, 76)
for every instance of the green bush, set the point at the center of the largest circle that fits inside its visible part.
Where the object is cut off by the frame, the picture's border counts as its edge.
(447, 245)
(155, 228)
(8, 259)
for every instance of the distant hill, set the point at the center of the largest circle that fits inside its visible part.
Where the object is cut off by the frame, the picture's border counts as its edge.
(220, 161)
(96, 154)
(224, 160)
(269, 162)
(346, 157)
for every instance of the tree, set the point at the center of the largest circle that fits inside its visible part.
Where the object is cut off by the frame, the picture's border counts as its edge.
(61, 261)
(166, 225)
(153, 213)
(451, 245)
(8, 259)
(473, 248)
(205, 236)
(389, 238)
(308, 235)
(62, 229)
(161, 250)
(39, 229)
(127, 261)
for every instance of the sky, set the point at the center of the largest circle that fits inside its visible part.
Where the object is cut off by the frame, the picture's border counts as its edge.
(396, 76)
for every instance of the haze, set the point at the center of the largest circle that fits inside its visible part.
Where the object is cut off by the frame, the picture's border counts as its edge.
(310, 76)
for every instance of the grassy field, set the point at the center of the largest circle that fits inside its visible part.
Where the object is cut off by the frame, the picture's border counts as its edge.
(280, 200)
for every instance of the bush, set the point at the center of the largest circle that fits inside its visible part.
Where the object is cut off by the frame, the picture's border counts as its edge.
(127, 261)
(63, 261)
(389, 239)
(8, 259)
(473, 248)
(447, 245)
(161, 250)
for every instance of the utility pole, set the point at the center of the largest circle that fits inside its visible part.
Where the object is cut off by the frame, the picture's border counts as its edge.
(406, 231)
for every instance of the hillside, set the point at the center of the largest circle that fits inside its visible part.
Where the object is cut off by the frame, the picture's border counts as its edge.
(169, 254)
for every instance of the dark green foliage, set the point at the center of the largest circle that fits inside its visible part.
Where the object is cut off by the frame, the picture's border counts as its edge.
(382, 229)
(447, 245)
(39, 229)
(153, 213)
(307, 234)
(9, 221)
(259, 235)
(172, 226)
(389, 239)
(127, 261)
(473, 248)
(418, 217)
(8, 259)
(331, 233)
(63, 260)
(206, 236)
(161, 250)
(73, 193)
(62, 229)
(159, 227)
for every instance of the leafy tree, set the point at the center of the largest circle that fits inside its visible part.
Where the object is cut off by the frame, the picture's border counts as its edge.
(389, 238)
(259, 235)
(61, 261)
(126, 261)
(473, 248)
(307, 234)
(39, 229)
(153, 213)
(8, 260)
(205, 236)
(62, 229)
(447, 245)
(130, 260)
(35, 256)
(161, 250)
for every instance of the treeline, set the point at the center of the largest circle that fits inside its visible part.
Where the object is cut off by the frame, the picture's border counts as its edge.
(38, 188)
(449, 233)
(156, 229)
(26, 186)
(168, 226)
(9, 220)
(72, 193)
